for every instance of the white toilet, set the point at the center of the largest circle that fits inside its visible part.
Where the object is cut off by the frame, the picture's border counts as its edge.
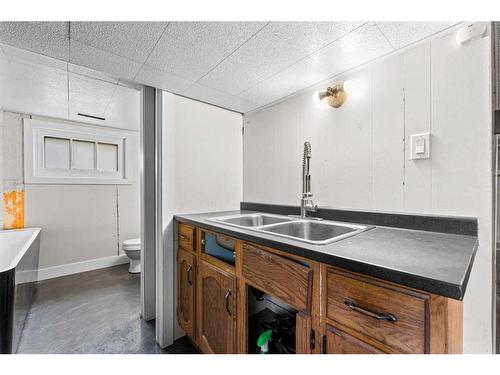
(133, 250)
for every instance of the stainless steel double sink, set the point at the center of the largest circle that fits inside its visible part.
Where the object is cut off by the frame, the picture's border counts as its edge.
(313, 231)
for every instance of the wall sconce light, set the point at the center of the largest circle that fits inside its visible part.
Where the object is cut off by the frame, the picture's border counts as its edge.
(335, 95)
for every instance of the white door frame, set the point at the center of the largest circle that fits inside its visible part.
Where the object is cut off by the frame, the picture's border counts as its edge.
(148, 204)
(165, 259)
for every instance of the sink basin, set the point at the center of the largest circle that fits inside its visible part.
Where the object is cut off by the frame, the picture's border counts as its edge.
(305, 230)
(315, 232)
(252, 220)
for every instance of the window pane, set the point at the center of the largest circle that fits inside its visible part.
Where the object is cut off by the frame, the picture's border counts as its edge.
(83, 155)
(56, 153)
(107, 157)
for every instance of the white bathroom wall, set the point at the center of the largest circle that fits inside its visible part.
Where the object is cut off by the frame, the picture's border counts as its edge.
(360, 151)
(201, 172)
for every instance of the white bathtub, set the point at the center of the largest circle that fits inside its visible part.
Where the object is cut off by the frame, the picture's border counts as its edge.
(19, 249)
(14, 244)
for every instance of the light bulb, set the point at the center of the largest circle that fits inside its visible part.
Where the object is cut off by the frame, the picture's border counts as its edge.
(349, 86)
(315, 97)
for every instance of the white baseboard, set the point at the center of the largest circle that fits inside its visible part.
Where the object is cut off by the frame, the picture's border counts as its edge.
(87, 265)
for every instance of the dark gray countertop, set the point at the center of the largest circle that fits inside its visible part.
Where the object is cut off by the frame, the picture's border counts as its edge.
(438, 263)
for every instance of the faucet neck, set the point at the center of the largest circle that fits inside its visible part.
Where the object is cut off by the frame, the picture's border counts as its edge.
(306, 203)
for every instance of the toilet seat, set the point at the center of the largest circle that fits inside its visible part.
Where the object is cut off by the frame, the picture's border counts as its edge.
(133, 244)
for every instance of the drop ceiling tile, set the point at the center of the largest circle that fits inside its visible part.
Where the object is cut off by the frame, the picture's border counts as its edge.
(401, 34)
(295, 78)
(360, 46)
(97, 59)
(276, 47)
(132, 40)
(191, 49)
(311, 36)
(162, 80)
(47, 38)
(262, 56)
(212, 96)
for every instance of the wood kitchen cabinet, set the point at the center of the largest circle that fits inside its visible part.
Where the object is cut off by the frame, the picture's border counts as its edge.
(186, 291)
(335, 310)
(216, 313)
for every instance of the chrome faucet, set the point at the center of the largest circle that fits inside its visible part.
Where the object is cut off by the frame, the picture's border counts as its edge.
(306, 203)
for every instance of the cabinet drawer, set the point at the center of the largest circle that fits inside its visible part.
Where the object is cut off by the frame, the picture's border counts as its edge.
(339, 342)
(392, 315)
(281, 277)
(218, 246)
(186, 236)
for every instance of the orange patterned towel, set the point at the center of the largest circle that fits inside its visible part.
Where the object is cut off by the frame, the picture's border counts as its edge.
(13, 207)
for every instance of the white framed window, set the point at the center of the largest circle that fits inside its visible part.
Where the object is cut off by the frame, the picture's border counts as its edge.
(58, 152)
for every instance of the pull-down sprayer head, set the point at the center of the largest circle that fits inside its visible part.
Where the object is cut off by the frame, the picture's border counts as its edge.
(307, 150)
(306, 177)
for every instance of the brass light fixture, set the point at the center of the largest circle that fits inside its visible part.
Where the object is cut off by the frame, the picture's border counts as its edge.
(335, 95)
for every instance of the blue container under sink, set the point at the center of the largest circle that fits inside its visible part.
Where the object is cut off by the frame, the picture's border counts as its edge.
(219, 247)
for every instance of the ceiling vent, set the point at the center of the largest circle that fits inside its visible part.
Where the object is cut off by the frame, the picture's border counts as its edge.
(90, 116)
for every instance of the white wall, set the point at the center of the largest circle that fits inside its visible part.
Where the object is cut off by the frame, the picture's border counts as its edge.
(208, 157)
(202, 171)
(360, 151)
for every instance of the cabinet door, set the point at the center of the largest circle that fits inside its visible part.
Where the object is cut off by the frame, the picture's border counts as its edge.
(304, 334)
(339, 342)
(186, 291)
(215, 309)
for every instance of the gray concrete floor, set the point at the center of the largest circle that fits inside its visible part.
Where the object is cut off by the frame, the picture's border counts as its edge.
(91, 312)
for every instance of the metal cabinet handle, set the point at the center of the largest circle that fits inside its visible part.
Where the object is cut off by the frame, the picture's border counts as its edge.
(184, 237)
(226, 302)
(189, 273)
(203, 241)
(389, 317)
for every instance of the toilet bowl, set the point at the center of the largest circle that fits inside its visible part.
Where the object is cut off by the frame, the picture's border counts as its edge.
(132, 249)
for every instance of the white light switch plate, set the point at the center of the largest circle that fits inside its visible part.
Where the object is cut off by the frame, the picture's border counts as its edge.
(420, 146)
